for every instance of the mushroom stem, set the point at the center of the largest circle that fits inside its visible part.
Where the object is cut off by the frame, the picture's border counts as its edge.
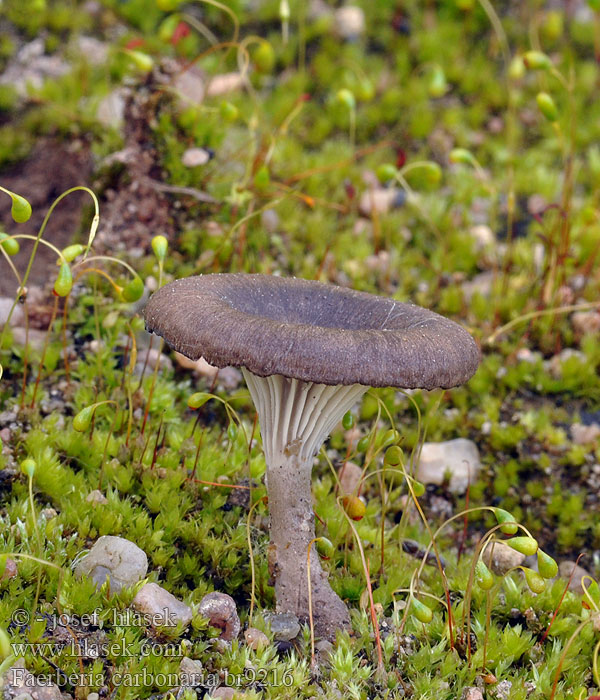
(295, 418)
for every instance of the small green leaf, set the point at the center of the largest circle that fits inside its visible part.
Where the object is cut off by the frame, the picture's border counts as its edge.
(5, 647)
(438, 86)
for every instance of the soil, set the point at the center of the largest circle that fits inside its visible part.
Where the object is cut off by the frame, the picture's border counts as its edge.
(52, 168)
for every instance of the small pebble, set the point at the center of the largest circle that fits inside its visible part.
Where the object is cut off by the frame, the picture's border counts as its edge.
(191, 672)
(161, 607)
(586, 322)
(349, 22)
(501, 558)
(472, 694)
(193, 157)
(256, 639)
(566, 568)
(96, 497)
(585, 434)
(459, 458)
(350, 475)
(381, 200)
(284, 626)
(10, 570)
(115, 558)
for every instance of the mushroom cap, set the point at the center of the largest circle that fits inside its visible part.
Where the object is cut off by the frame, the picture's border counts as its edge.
(311, 331)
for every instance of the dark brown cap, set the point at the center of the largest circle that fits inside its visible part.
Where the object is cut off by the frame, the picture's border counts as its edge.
(311, 331)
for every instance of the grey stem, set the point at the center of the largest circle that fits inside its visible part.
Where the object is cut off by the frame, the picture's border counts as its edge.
(295, 419)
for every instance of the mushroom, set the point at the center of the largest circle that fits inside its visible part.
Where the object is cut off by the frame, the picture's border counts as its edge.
(308, 351)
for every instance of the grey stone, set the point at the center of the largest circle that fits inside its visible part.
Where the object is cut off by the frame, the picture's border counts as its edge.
(349, 22)
(350, 475)
(255, 639)
(502, 690)
(193, 157)
(115, 558)
(18, 315)
(501, 558)
(96, 497)
(571, 570)
(284, 626)
(381, 200)
(164, 609)
(111, 109)
(459, 458)
(19, 682)
(472, 694)
(191, 672)
(585, 434)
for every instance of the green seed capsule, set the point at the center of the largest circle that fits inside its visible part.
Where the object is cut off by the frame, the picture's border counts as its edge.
(64, 281)
(461, 155)
(547, 106)
(262, 178)
(133, 290)
(72, 251)
(483, 576)
(433, 172)
(10, 245)
(264, 57)
(28, 467)
(535, 582)
(365, 90)
(83, 420)
(232, 431)
(507, 520)
(5, 647)
(390, 437)
(167, 27)
(393, 456)
(21, 209)
(229, 112)
(547, 567)
(516, 69)
(346, 97)
(140, 59)
(536, 60)
(325, 548)
(525, 545)
(348, 421)
(354, 507)
(418, 488)
(363, 444)
(438, 85)
(422, 612)
(198, 399)
(160, 245)
(386, 172)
